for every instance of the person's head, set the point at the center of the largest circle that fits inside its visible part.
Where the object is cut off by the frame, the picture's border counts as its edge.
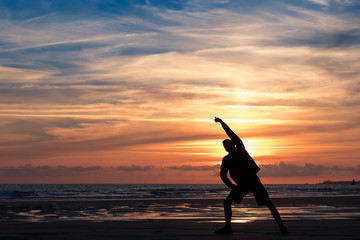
(228, 145)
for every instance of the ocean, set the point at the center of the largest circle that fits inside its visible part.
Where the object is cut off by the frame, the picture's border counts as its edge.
(160, 191)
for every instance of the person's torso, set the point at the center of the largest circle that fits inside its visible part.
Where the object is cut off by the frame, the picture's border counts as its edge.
(240, 165)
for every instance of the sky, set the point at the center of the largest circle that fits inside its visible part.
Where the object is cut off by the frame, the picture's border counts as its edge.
(106, 91)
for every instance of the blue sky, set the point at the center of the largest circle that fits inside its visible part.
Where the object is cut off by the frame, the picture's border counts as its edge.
(83, 80)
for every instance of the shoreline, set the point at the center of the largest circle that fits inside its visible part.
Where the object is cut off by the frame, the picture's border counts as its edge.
(175, 208)
(309, 218)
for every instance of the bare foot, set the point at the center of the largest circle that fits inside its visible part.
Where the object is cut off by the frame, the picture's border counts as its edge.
(224, 230)
(283, 230)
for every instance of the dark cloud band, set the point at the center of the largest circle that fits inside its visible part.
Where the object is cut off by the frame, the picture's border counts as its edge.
(271, 170)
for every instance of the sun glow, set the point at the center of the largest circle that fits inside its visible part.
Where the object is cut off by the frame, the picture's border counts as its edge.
(259, 147)
(211, 148)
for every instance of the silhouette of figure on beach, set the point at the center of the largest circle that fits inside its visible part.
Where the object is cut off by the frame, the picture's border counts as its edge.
(243, 171)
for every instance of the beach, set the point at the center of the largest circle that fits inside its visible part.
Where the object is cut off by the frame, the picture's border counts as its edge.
(179, 229)
(333, 217)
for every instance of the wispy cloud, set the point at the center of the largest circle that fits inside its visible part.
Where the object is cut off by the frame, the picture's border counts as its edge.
(82, 80)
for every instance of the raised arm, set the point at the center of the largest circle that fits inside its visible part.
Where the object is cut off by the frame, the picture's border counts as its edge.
(229, 132)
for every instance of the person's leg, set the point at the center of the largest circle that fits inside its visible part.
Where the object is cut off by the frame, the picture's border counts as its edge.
(235, 196)
(276, 216)
(262, 198)
(228, 215)
(228, 211)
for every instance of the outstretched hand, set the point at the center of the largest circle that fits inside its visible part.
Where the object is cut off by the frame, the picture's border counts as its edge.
(217, 119)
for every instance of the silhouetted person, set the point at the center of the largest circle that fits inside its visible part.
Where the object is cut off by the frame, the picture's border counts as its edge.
(243, 171)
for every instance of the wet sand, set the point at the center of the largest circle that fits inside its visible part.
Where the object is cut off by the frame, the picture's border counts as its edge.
(306, 218)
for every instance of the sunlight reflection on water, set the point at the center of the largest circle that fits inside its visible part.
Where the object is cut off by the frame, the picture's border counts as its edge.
(184, 211)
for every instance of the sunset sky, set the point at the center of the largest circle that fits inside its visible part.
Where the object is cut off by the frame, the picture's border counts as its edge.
(106, 91)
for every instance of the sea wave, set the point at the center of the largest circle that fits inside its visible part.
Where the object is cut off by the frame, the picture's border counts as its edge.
(141, 191)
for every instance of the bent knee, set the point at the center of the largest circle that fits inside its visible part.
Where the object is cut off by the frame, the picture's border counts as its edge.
(270, 205)
(228, 201)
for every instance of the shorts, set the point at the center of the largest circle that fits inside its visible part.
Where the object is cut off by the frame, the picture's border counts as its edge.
(251, 185)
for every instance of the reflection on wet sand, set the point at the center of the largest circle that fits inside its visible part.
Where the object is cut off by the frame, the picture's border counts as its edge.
(206, 210)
